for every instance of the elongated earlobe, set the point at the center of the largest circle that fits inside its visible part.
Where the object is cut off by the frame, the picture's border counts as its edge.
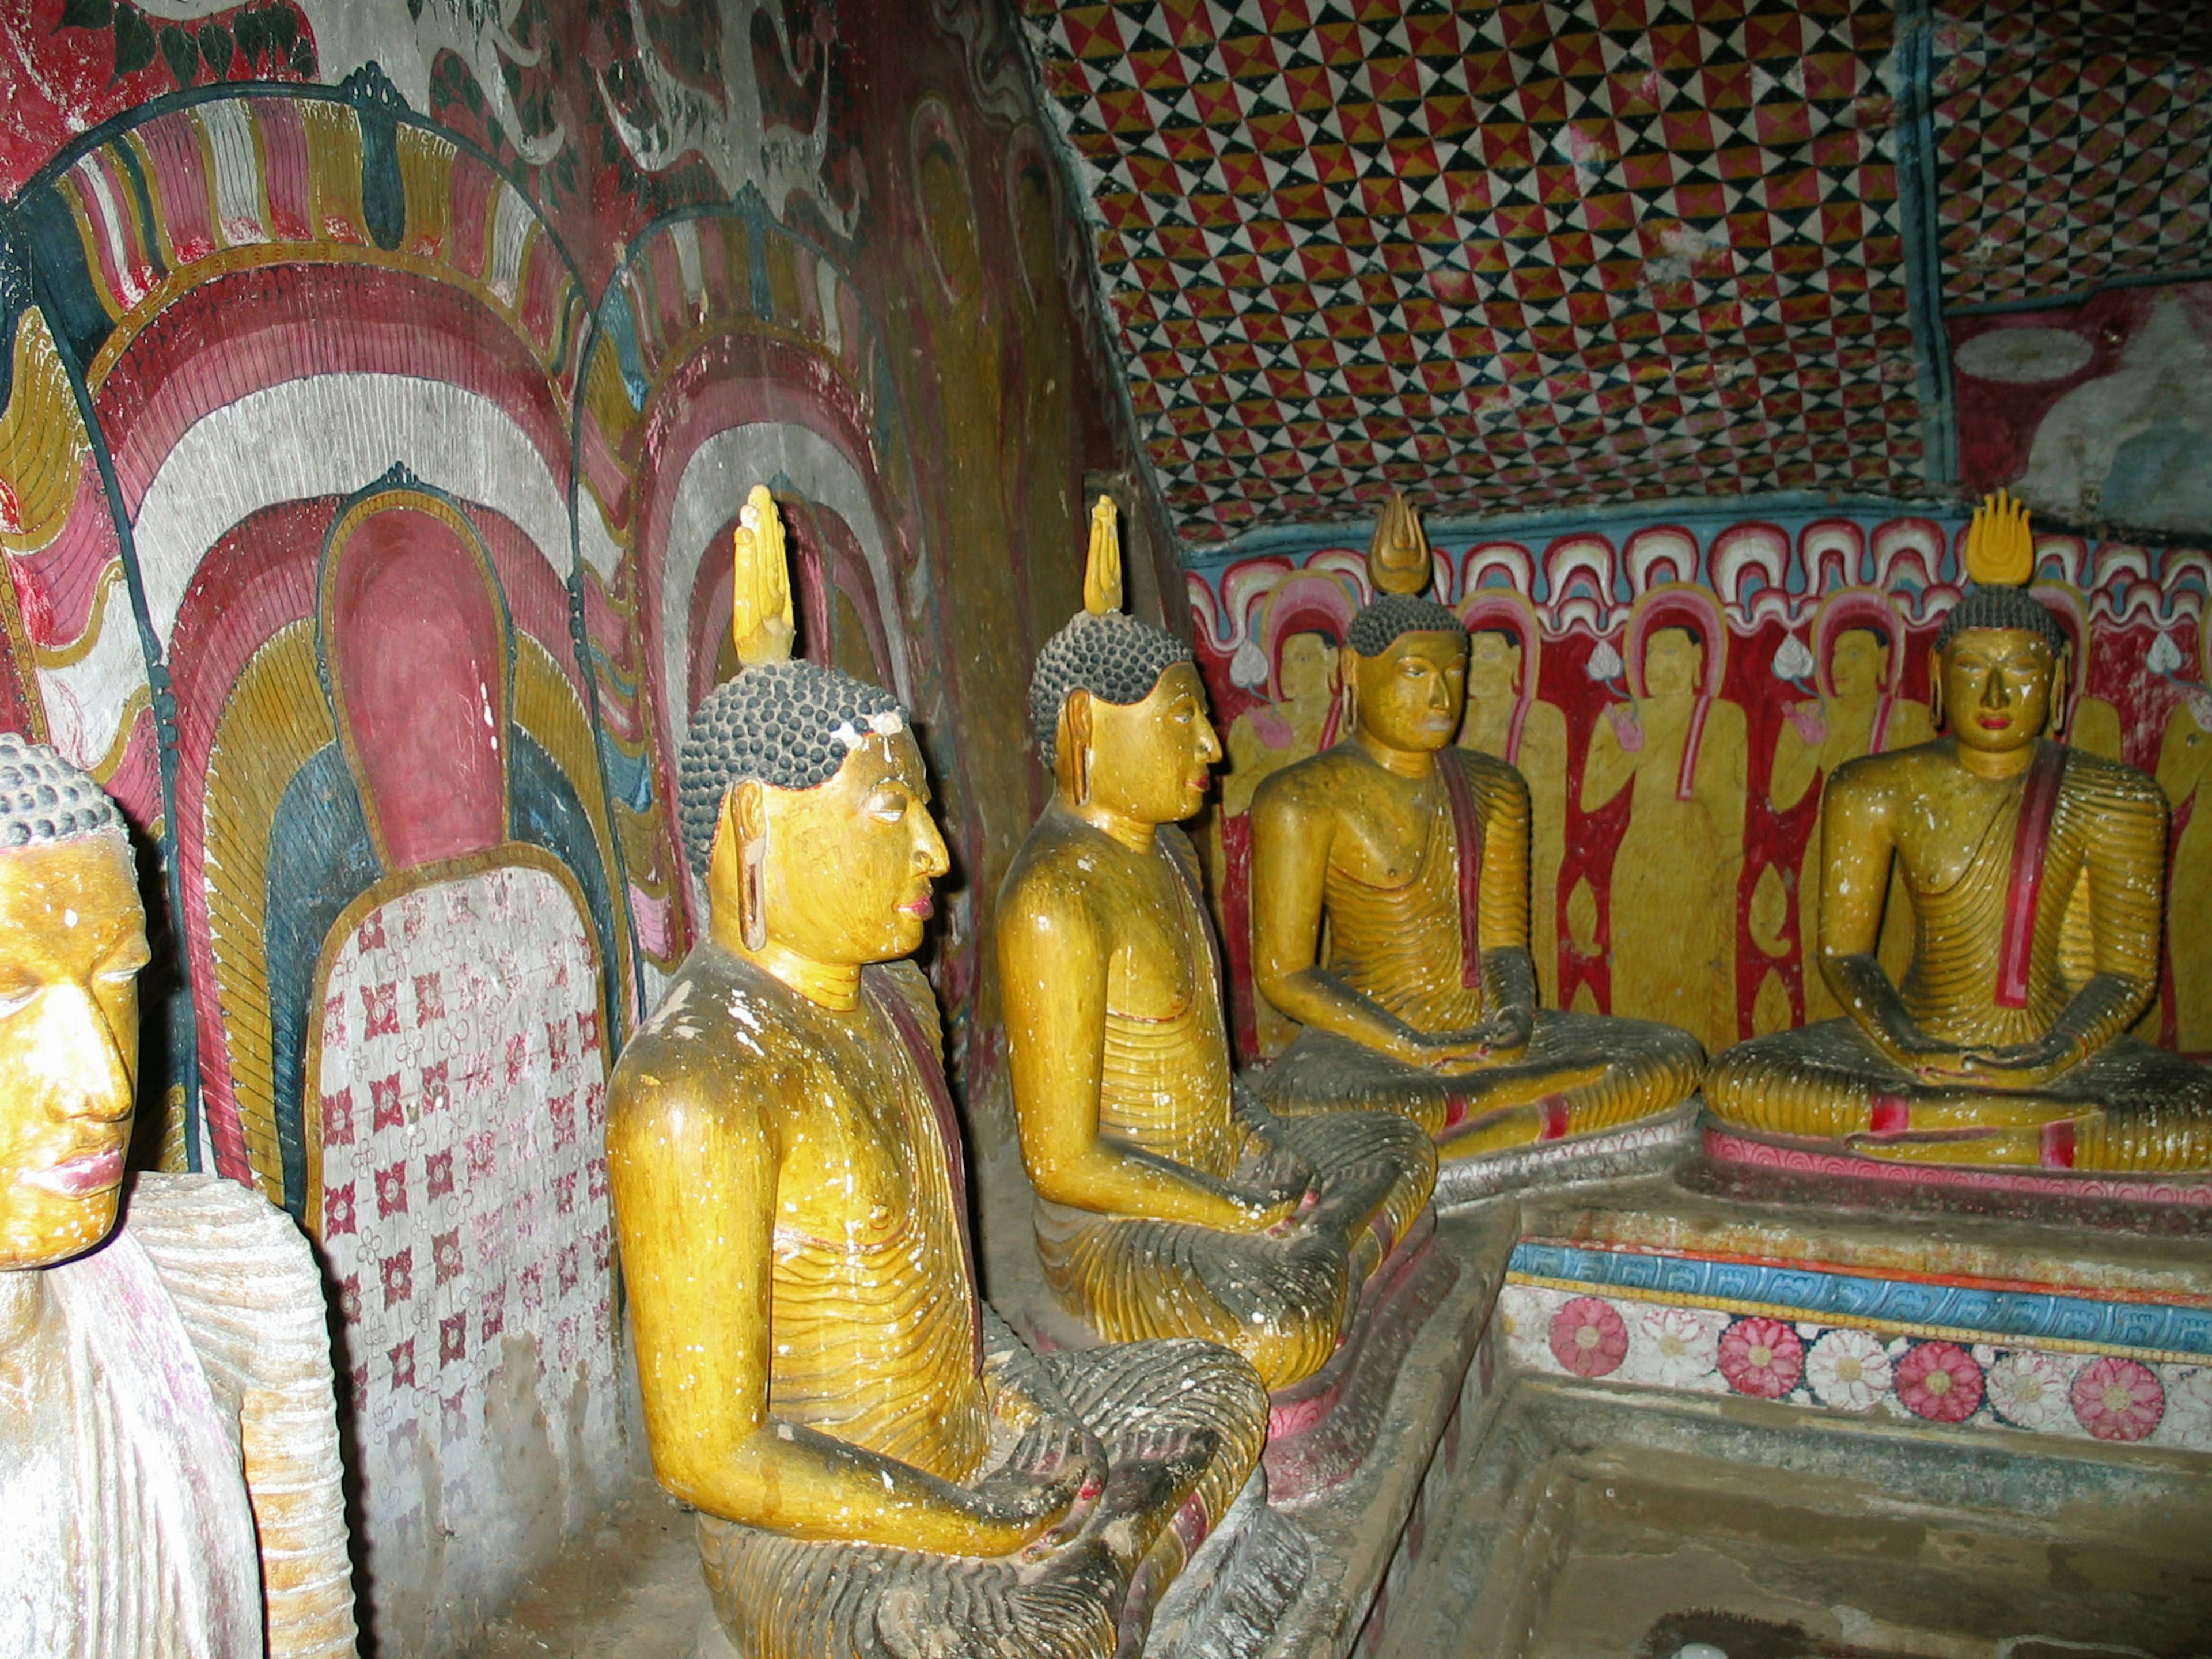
(752, 894)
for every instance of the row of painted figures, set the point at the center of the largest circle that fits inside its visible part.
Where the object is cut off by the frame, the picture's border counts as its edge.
(1676, 755)
(880, 1465)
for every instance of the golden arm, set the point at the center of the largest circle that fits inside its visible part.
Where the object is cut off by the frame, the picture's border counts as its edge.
(2127, 900)
(1053, 964)
(694, 1189)
(1858, 846)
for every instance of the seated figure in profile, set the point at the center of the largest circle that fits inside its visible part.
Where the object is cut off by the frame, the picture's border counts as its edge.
(1164, 1203)
(1414, 853)
(169, 1481)
(2036, 875)
(881, 1466)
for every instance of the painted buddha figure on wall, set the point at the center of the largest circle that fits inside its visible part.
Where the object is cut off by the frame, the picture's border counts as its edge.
(169, 1480)
(879, 1465)
(1164, 1203)
(1412, 854)
(2036, 875)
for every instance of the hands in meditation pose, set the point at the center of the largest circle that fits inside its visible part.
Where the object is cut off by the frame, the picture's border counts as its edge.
(2036, 875)
(169, 1446)
(1416, 853)
(881, 1466)
(1166, 1206)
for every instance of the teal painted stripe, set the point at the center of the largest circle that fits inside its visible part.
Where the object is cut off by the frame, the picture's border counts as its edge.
(2014, 1315)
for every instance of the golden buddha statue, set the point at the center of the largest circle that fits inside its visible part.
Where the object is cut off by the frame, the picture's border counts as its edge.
(169, 1480)
(1165, 1205)
(881, 1466)
(1412, 853)
(2036, 875)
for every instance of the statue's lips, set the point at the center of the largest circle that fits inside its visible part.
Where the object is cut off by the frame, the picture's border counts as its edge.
(1993, 722)
(923, 906)
(94, 1172)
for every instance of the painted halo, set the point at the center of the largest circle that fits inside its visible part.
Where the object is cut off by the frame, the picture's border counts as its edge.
(1507, 611)
(1680, 605)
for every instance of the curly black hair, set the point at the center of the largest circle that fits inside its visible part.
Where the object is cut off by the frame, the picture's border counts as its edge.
(1116, 658)
(788, 724)
(2003, 607)
(44, 800)
(1378, 626)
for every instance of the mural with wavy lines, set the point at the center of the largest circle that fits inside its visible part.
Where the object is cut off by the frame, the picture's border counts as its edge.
(1676, 828)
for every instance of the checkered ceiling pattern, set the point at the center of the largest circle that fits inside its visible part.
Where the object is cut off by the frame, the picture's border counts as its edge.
(1524, 256)
(2073, 142)
(1510, 256)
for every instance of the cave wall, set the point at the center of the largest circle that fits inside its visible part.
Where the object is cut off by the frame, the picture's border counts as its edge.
(380, 385)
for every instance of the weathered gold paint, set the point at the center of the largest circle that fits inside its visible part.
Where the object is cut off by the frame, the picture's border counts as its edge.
(72, 940)
(1362, 839)
(1164, 1207)
(1980, 1082)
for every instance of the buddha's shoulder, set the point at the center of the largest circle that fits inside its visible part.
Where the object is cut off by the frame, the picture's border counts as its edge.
(1060, 858)
(1492, 778)
(721, 1017)
(1895, 771)
(2111, 782)
(225, 1254)
(1321, 779)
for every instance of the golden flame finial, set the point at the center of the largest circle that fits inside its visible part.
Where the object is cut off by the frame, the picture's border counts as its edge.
(1101, 574)
(1398, 557)
(760, 591)
(2000, 544)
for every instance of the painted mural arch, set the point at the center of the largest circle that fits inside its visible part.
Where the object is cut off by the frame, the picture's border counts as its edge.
(732, 352)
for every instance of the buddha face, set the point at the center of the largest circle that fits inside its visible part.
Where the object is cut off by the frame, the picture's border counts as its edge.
(1309, 669)
(1674, 663)
(1858, 666)
(72, 940)
(1493, 666)
(1150, 760)
(849, 862)
(1411, 696)
(1998, 685)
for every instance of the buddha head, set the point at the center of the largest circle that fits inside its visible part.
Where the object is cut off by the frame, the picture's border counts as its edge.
(1673, 662)
(1410, 672)
(1306, 668)
(72, 940)
(1858, 662)
(1119, 714)
(1999, 672)
(1116, 708)
(805, 807)
(2000, 659)
(1493, 665)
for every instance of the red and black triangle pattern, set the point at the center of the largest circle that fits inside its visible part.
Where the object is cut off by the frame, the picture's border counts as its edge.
(2073, 143)
(1512, 256)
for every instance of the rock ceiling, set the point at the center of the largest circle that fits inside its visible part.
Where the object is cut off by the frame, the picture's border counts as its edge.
(1528, 256)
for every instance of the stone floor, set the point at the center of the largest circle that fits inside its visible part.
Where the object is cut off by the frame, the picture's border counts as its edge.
(1562, 1517)
(628, 1589)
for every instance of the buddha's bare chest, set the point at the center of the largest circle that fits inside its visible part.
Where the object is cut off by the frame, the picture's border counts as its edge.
(1154, 971)
(1390, 829)
(1956, 826)
(852, 1141)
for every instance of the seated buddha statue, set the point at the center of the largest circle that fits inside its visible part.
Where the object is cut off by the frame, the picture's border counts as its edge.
(1165, 1204)
(880, 1468)
(2036, 875)
(1409, 856)
(169, 1480)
